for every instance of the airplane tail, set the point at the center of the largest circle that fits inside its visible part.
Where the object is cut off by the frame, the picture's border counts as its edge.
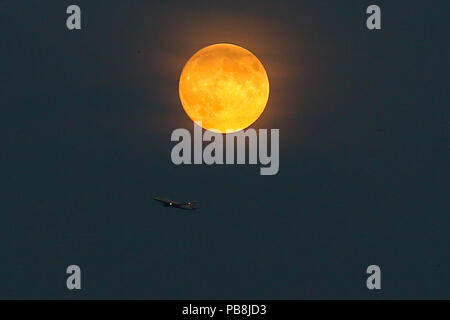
(194, 204)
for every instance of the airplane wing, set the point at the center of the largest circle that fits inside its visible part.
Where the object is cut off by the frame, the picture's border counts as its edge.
(165, 201)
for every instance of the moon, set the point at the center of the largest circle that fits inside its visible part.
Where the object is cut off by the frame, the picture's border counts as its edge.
(225, 87)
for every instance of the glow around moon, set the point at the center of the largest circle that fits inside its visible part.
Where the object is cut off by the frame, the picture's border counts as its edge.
(225, 87)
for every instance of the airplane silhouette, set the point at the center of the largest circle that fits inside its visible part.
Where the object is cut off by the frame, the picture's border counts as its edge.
(190, 205)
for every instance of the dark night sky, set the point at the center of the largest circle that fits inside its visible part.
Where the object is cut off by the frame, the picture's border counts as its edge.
(86, 118)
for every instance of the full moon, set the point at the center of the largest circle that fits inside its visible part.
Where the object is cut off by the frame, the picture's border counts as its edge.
(225, 87)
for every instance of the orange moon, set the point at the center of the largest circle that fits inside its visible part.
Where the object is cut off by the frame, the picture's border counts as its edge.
(225, 87)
